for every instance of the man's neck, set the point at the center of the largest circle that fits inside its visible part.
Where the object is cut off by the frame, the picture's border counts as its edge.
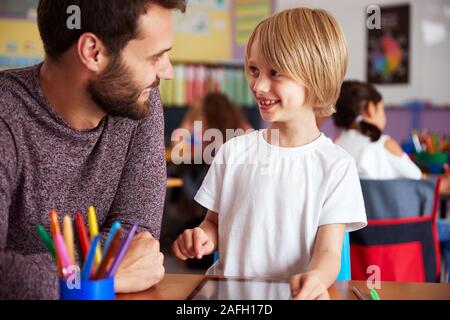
(64, 87)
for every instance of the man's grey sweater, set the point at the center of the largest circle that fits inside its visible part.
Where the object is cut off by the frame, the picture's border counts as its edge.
(119, 167)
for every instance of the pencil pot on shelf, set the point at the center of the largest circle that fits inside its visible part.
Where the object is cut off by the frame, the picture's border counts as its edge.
(431, 162)
(87, 290)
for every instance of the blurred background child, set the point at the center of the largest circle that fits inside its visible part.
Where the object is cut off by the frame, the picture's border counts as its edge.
(360, 112)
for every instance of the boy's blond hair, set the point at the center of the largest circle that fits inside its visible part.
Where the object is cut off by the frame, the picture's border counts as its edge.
(308, 45)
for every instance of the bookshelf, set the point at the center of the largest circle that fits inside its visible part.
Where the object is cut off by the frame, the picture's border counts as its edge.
(193, 80)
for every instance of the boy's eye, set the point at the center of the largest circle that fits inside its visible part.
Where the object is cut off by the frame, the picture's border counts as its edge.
(253, 71)
(275, 73)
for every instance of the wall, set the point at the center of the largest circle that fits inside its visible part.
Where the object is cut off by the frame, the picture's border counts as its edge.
(430, 63)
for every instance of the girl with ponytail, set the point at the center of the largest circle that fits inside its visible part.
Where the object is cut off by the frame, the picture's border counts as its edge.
(360, 112)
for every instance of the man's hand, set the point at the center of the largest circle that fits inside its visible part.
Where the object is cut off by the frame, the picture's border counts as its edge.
(142, 266)
(308, 286)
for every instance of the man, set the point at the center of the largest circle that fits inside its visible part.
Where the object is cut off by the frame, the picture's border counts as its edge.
(86, 127)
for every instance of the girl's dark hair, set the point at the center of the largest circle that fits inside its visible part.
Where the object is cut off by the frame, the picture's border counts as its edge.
(354, 97)
(115, 22)
(220, 113)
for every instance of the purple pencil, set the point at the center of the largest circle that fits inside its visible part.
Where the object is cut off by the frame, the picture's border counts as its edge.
(123, 248)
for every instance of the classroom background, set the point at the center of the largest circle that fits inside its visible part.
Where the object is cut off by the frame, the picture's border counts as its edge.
(408, 61)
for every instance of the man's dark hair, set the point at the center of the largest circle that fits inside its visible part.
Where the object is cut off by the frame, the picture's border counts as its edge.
(115, 22)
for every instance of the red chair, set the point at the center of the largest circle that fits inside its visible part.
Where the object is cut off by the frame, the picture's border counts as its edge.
(405, 247)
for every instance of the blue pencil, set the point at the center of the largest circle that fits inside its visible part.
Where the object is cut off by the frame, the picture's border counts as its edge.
(123, 248)
(112, 232)
(89, 262)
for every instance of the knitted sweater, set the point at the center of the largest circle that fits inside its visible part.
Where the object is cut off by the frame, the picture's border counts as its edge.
(119, 167)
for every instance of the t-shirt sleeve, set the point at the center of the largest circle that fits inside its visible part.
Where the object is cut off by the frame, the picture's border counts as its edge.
(209, 193)
(404, 167)
(344, 200)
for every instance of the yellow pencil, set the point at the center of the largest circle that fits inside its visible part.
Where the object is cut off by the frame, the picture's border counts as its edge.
(93, 229)
(68, 238)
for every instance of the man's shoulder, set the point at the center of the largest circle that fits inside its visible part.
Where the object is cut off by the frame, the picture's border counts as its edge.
(15, 78)
(15, 86)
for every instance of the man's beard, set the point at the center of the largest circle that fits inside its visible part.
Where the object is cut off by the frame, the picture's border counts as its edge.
(117, 94)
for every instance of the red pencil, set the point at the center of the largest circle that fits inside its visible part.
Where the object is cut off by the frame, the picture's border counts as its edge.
(82, 235)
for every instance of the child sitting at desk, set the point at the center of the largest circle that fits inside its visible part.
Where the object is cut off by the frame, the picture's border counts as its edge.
(280, 199)
(360, 112)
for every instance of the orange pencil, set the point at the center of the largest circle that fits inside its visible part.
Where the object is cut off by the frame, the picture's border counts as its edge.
(54, 228)
(429, 143)
(54, 223)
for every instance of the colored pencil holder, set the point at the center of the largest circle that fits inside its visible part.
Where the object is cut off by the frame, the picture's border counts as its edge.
(89, 290)
(431, 162)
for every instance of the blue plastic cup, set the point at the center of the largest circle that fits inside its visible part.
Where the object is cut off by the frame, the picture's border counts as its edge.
(88, 290)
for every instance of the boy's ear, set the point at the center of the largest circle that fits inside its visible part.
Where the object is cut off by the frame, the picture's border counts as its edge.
(92, 52)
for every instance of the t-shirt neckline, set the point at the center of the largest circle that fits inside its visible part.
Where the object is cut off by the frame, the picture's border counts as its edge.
(289, 150)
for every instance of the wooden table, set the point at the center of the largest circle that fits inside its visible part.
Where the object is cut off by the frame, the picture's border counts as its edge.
(178, 287)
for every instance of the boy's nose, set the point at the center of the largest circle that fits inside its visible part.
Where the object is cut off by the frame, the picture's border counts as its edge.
(261, 85)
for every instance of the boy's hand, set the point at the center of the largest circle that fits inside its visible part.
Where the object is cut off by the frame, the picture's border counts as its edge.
(308, 286)
(192, 243)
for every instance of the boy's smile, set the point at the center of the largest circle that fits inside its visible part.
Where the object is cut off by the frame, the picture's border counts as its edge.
(266, 104)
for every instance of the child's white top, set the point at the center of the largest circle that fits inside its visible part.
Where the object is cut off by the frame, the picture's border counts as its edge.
(373, 160)
(272, 200)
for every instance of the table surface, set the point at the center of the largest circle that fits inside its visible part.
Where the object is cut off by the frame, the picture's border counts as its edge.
(178, 287)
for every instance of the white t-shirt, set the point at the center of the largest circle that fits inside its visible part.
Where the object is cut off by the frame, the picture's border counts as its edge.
(373, 160)
(271, 201)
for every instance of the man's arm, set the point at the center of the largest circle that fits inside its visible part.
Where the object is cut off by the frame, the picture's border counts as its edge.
(21, 277)
(140, 199)
(142, 188)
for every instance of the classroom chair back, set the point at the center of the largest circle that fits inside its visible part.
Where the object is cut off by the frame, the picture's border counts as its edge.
(400, 241)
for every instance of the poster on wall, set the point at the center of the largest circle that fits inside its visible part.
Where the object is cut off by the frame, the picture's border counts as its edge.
(203, 33)
(388, 42)
(247, 14)
(21, 45)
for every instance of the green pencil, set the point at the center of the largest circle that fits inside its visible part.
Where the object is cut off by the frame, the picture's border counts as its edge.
(46, 239)
(374, 295)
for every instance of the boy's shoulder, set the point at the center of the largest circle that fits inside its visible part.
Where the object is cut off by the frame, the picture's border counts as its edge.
(238, 148)
(246, 139)
(334, 154)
